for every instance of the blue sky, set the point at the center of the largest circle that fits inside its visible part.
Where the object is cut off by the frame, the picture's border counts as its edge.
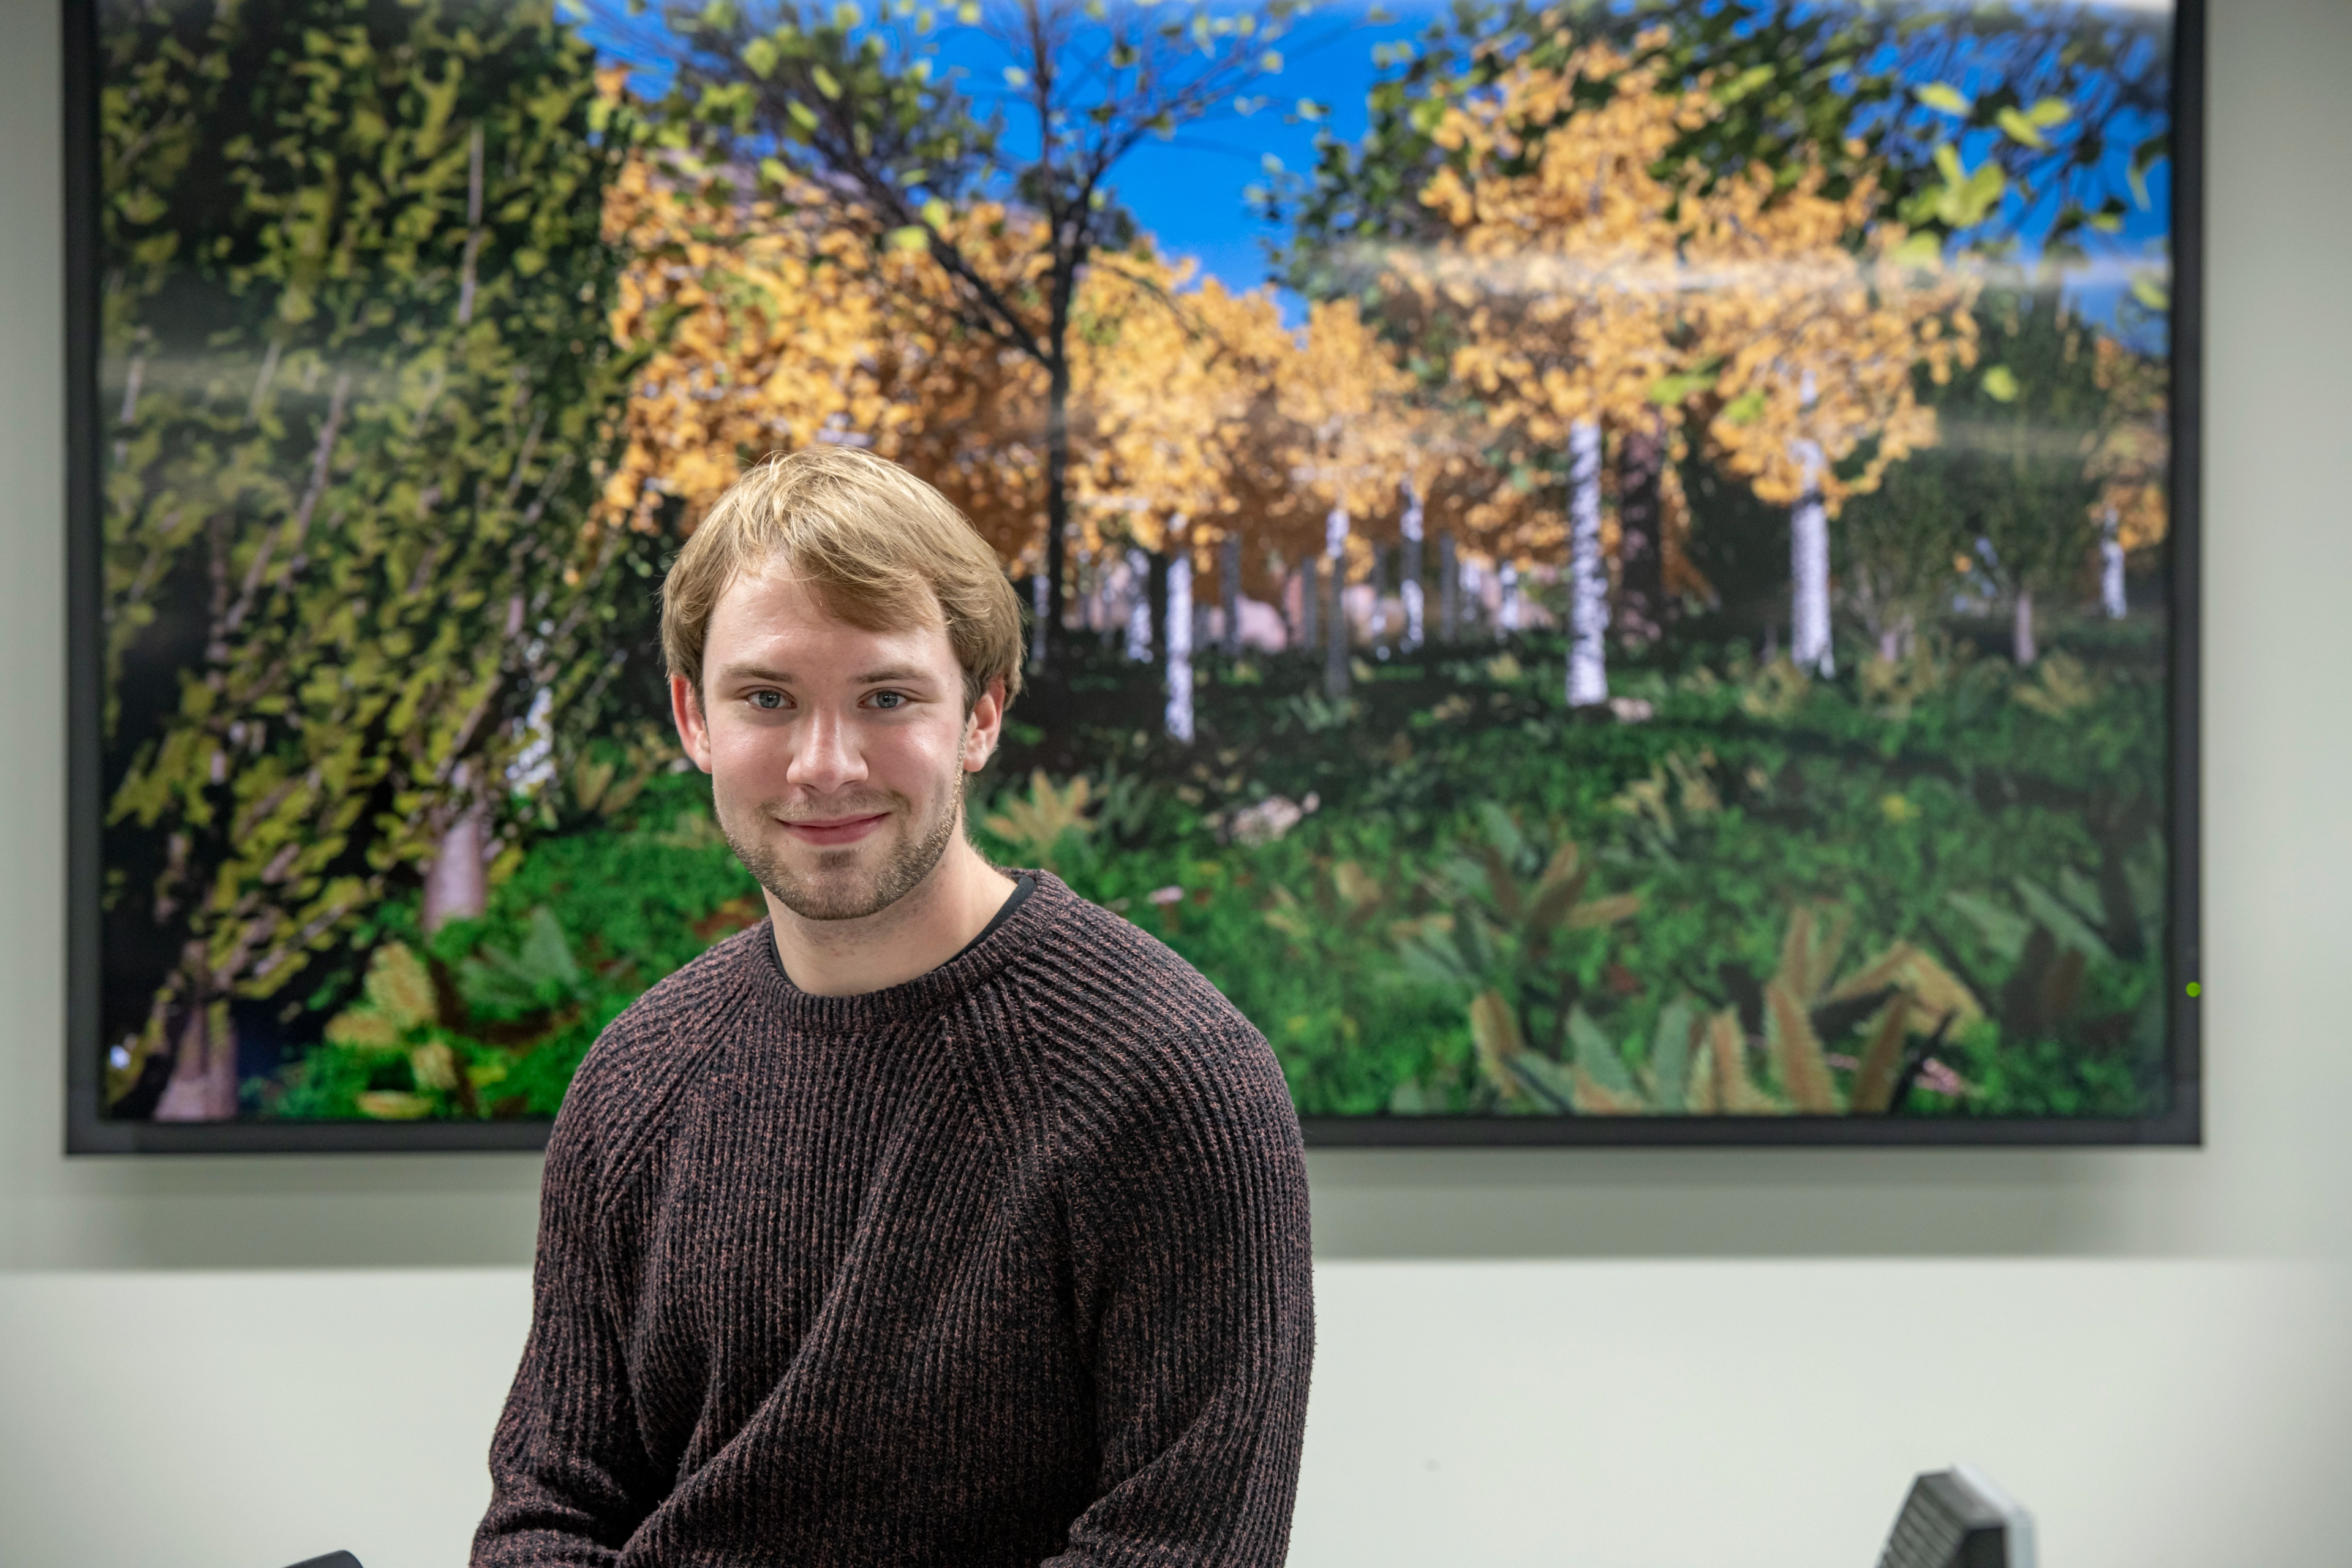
(1189, 191)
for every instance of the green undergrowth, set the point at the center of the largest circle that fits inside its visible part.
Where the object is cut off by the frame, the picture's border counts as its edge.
(1931, 887)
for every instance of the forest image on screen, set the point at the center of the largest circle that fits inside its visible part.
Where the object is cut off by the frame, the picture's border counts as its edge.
(1605, 561)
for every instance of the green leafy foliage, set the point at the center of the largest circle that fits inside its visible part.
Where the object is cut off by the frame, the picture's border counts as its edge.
(356, 374)
(1797, 81)
(2003, 503)
(488, 1017)
(1758, 830)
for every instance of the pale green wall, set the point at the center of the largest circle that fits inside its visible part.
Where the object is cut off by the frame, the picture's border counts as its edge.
(1614, 1358)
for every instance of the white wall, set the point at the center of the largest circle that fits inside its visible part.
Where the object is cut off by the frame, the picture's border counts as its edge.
(1619, 1359)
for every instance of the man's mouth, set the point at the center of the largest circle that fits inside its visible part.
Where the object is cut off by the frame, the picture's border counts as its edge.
(831, 832)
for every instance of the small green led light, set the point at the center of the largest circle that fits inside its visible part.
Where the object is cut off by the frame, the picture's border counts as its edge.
(2194, 988)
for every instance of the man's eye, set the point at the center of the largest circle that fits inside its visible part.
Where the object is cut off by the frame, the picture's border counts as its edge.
(768, 700)
(889, 700)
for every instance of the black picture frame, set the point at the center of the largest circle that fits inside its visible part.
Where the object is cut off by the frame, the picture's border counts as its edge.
(85, 1132)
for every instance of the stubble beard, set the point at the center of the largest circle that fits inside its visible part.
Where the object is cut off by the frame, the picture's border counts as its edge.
(835, 890)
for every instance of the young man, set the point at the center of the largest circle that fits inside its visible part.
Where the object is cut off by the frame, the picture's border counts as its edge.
(942, 1219)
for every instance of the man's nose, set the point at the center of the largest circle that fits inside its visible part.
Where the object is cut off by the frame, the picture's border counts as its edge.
(827, 758)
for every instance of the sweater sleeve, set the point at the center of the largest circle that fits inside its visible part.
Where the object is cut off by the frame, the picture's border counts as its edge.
(1195, 1294)
(570, 1480)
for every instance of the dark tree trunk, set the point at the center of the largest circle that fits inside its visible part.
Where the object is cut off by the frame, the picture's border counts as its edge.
(1229, 590)
(1156, 591)
(1642, 608)
(1057, 505)
(1449, 591)
(1310, 589)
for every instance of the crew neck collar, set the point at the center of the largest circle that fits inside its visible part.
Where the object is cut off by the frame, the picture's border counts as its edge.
(1016, 929)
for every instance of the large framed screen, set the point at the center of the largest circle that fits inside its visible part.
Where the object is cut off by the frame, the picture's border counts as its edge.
(1611, 574)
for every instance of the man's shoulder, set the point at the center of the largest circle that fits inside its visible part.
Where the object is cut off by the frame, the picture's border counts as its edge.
(677, 1019)
(1093, 960)
(1132, 1029)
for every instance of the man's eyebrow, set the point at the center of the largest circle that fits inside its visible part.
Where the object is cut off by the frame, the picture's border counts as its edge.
(754, 672)
(901, 674)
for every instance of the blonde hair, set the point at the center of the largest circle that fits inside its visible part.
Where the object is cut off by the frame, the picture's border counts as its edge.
(878, 547)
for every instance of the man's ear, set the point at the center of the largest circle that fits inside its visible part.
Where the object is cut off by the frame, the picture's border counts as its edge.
(985, 727)
(693, 728)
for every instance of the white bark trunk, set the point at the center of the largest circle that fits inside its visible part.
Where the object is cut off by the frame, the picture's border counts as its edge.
(2021, 630)
(2111, 569)
(534, 763)
(1335, 630)
(1410, 568)
(1507, 607)
(202, 1085)
(455, 886)
(1809, 564)
(1138, 607)
(1587, 603)
(1179, 646)
(1040, 589)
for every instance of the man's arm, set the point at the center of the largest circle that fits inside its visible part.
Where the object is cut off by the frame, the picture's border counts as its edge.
(569, 1477)
(1195, 1304)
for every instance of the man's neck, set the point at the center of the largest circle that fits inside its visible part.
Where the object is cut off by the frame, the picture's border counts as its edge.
(936, 921)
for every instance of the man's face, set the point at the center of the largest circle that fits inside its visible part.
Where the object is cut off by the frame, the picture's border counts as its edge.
(837, 757)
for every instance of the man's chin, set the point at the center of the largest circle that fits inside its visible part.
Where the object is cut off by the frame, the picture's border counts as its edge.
(844, 884)
(845, 900)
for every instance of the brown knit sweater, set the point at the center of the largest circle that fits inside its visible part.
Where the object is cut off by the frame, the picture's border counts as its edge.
(1007, 1265)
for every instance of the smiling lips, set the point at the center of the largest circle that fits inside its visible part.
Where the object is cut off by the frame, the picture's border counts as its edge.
(835, 831)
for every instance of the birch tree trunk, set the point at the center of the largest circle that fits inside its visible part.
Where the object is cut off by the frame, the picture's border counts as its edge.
(1588, 577)
(1809, 572)
(454, 886)
(202, 1085)
(2021, 643)
(1138, 607)
(1335, 632)
(1039, 587)
(1409, 590)
(1809, 565)
(2111, 568)
(1177, 632)
(1507, 604)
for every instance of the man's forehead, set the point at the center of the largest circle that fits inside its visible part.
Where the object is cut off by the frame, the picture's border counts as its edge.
(774, 613)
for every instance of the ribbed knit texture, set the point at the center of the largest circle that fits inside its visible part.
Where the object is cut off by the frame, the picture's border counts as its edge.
(1008, 1264)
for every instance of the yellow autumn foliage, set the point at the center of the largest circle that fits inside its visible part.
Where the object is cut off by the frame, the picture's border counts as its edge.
(1592, 280)
(767, 325)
